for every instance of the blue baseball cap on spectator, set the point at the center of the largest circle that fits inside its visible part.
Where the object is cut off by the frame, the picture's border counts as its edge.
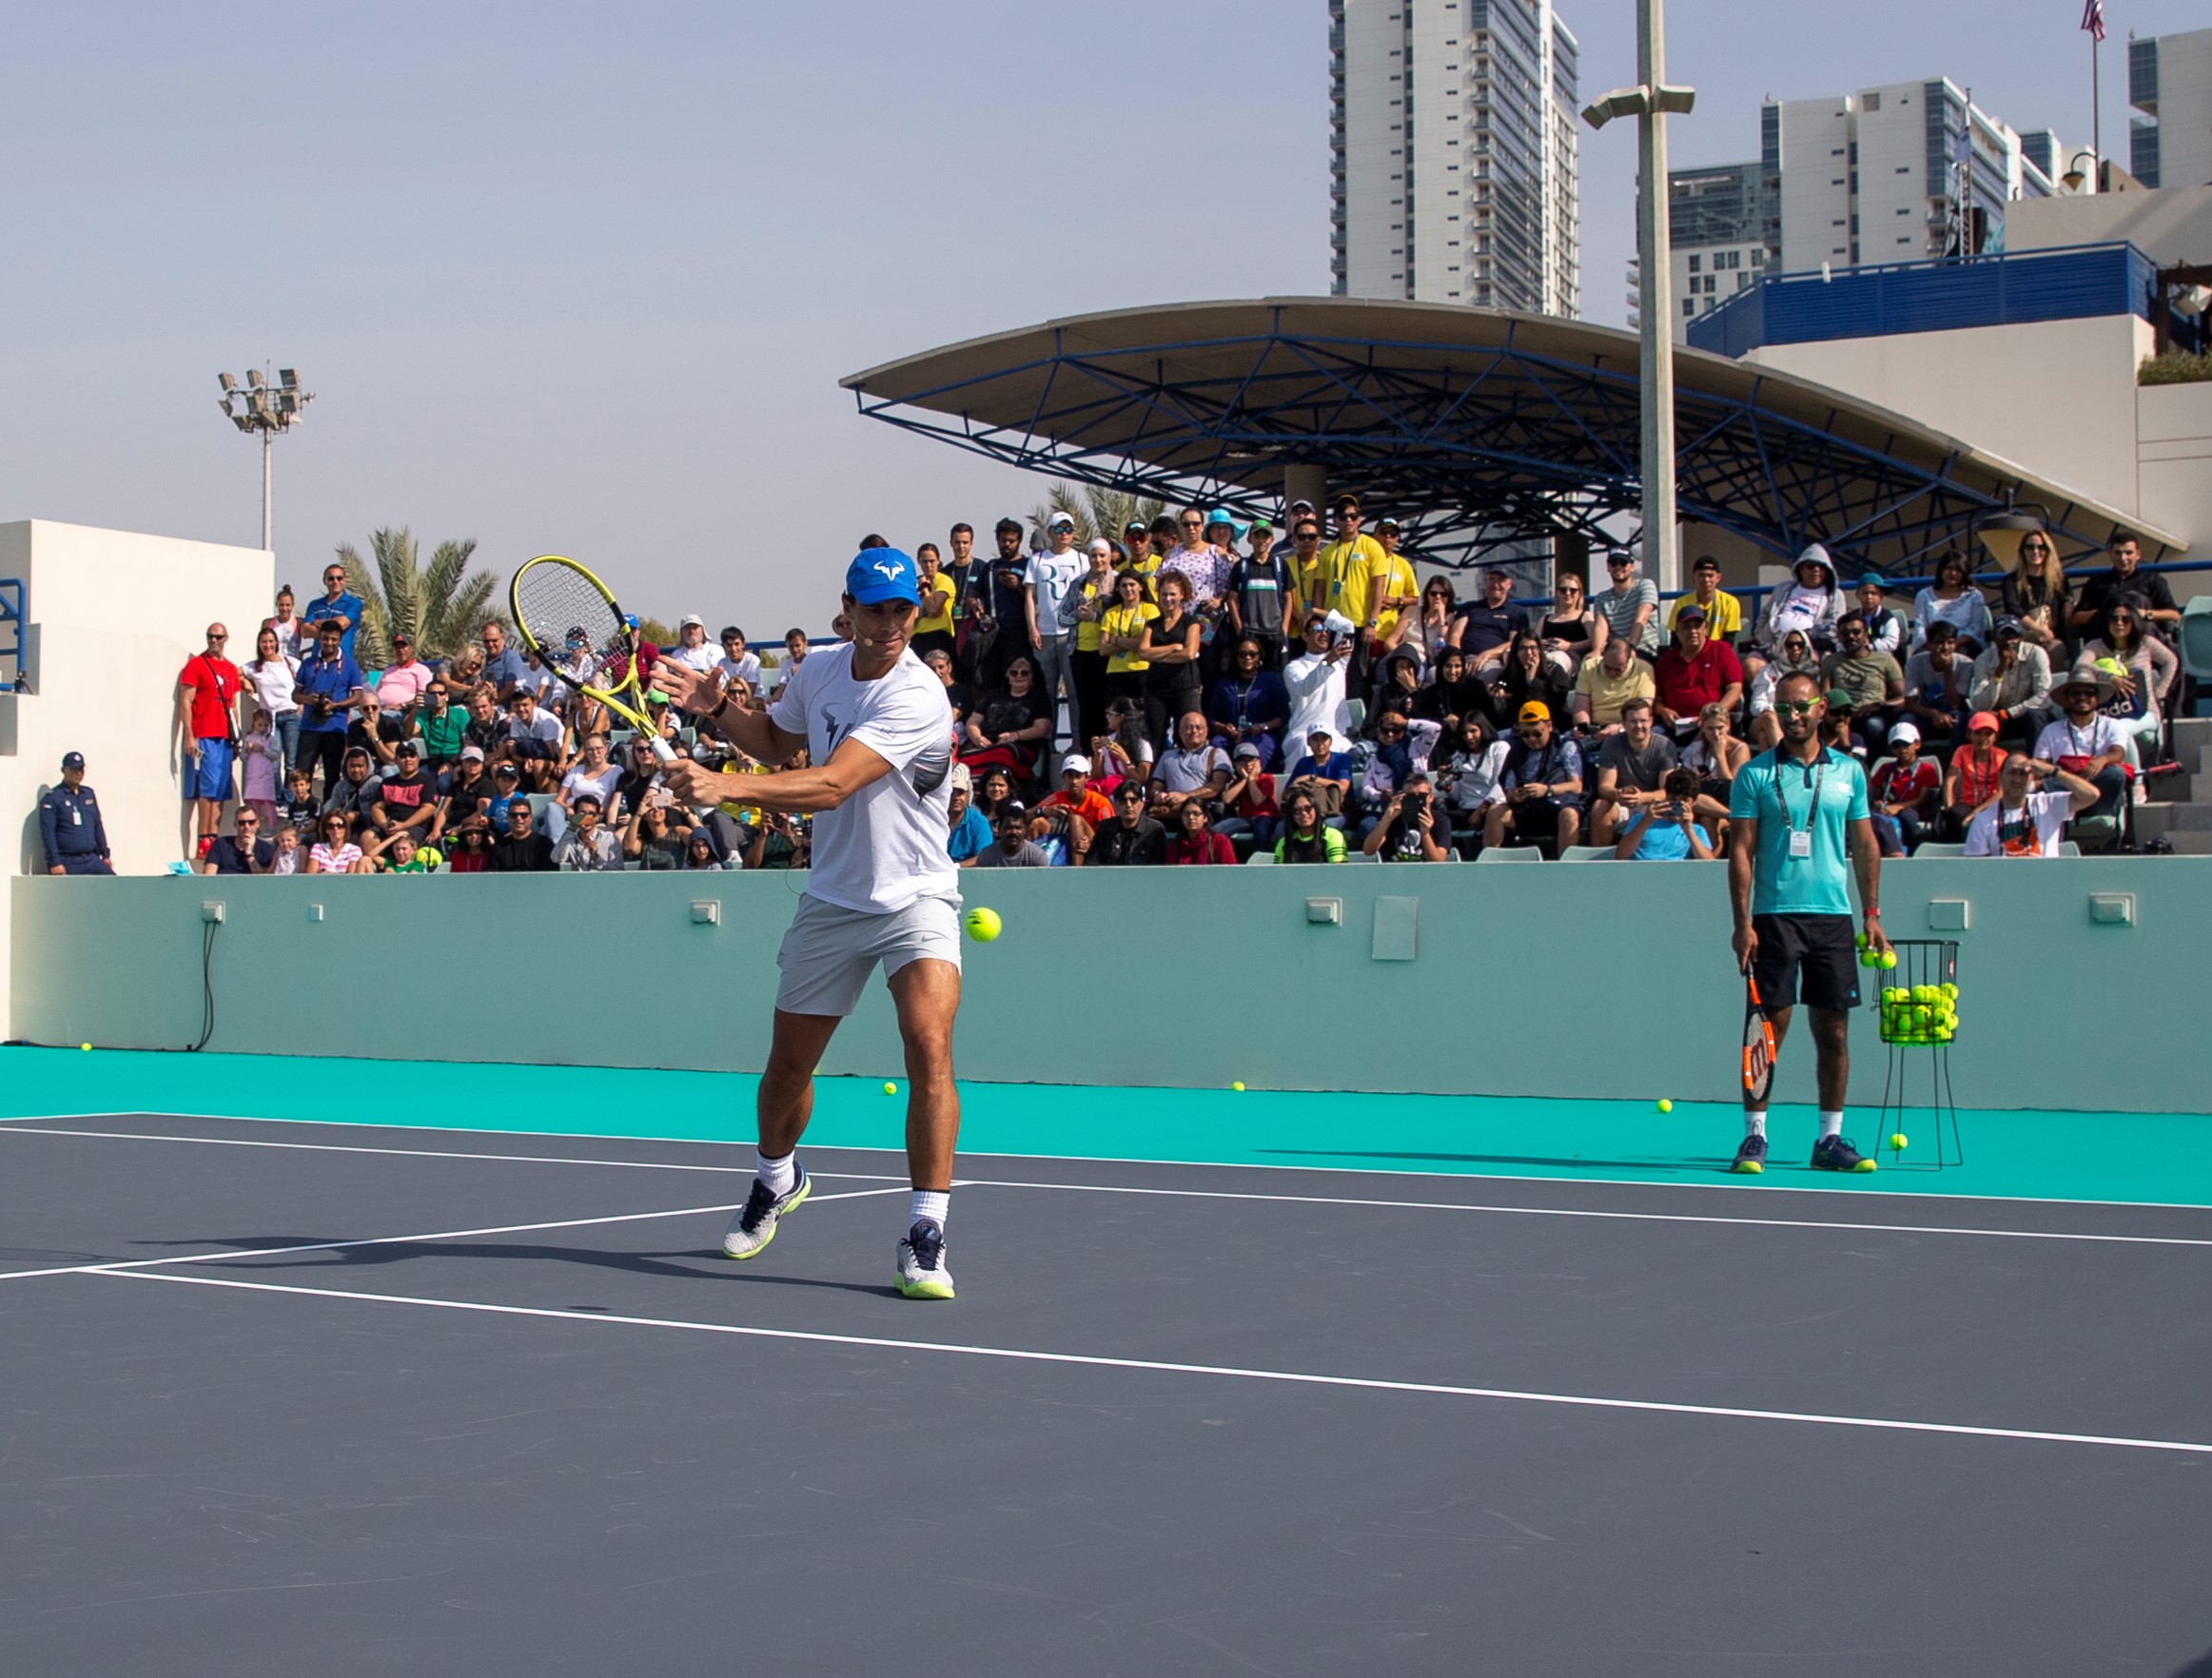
(878, 575)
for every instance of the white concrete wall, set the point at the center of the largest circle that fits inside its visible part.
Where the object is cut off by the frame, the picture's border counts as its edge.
(1816, 201)
(114, 616)
(2173, 226)
(2057, 398)
(2174, 429)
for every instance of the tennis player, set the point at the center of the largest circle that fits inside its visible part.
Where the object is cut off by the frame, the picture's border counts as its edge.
(1794, 814)
(878, 733)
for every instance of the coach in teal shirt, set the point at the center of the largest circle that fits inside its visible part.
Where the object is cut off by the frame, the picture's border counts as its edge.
(1798, 829)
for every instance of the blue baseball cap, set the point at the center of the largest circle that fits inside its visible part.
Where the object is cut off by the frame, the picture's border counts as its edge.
(878, 575)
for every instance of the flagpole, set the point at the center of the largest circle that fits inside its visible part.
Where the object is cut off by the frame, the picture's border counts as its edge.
(2097, 107)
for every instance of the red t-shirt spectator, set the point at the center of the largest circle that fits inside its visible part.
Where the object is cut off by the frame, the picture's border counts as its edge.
(1209, 847)
(215, 683)
(1976, 785)
(1687, 686)
(1907, 784)
(1090, 806)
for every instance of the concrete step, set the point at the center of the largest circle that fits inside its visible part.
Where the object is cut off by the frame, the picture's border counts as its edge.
(2191, 844)
(2191, 734)
(2151, 820)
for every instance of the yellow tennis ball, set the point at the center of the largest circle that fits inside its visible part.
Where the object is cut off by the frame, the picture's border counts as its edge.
(984, 924)
(1888, 958)
(890, 1089)
(1238, 1086)
(1897, 1141)
(86, 1046)
(1665, 1106)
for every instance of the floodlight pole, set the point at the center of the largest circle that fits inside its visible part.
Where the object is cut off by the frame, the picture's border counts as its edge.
(268, 440)
(1650, 102)
(268, 409)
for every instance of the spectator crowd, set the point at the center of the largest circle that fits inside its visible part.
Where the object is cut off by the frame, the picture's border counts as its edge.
(1203, 690)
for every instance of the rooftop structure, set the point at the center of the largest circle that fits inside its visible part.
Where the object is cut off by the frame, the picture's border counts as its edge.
(2170, 81)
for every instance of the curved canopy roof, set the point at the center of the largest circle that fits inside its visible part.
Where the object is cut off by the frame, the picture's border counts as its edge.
(1472, 426)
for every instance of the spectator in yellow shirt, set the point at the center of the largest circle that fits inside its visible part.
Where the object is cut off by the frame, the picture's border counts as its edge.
(1606, 683)
(1337, 581)
(933, 628)
(1392, 591)
(1121, 633)
(1724, 613)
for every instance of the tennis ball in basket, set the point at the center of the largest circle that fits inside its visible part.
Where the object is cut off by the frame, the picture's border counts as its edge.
(1665, 1106)
(1888, 958)
(1897, 1141)
(983, 925)
(890, 1089)
(1950, 992)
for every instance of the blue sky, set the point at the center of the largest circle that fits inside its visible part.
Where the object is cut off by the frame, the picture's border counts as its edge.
(583, 277)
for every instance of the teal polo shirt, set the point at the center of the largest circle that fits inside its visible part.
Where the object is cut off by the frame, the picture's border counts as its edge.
(1779, 792)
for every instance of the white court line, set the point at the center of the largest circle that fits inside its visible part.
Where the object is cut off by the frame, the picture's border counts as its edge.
(1161, 1367)
(2027, 1234)
(1857, 1190)
(119, 1266)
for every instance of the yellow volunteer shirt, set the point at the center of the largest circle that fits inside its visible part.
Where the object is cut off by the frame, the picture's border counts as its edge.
(1723, 619)
(1337, 581)
(1128, 621)
(939, 621)
(1087, 629)
(1395, 572)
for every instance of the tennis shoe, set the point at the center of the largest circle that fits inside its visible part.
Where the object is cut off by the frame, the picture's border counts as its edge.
(1751, 1156)
(1835, 1152)
(754, 1227)
(921, 1273)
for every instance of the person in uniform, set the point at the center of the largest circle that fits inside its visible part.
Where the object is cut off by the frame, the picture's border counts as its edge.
(69, 822)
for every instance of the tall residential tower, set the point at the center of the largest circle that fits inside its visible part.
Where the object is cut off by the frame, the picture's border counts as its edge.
(1452, 146)
(2170, 80)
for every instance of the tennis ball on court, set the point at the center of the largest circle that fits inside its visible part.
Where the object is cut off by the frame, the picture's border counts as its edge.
(1888, 958)
(1897, 1141)
(983, 925)
(86, 1046)
(1238, 1086)
(890, 1089)
(1665, 1106)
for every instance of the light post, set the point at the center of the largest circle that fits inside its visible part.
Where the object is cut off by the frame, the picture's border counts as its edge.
(259, 406)
(1650, 102)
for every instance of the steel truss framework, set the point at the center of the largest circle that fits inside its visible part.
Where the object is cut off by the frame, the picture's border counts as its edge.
(1475, 429)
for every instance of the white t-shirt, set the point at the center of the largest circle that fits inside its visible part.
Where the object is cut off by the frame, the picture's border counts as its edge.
(882, 848)
(701, 658)
(580, 779)
(746, 669)
(2064, 740)
(272, 683)
(543, 725)
(2029, 830)
(1317, 701)
(1052, 574)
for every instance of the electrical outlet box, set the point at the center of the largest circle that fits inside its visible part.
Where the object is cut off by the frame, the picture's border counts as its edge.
(2112, 908)
(706, 912)
(211, 911)
(1947, 914)
(314, 911)
(1325, 911)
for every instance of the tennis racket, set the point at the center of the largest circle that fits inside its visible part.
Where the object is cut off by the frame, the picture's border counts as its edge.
(1758, 1044)
(570, 619)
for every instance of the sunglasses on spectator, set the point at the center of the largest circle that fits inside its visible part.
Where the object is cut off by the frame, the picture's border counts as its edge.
(1390, 733)
(1796, 707)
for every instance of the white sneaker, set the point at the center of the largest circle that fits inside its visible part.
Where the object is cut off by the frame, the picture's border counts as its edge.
(754, 1227)
(921, 1273)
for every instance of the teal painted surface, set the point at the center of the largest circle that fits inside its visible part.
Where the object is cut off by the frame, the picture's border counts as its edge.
(2031, 1155)
(1593, 981)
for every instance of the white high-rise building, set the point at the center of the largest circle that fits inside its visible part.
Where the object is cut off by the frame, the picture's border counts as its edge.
(2170, 80)
(1453, 153)
(1894, 174)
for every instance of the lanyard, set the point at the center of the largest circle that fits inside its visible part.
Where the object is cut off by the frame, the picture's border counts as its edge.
(1813, 778)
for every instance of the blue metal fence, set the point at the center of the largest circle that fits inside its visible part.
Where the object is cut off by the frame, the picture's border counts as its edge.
(2071, 284)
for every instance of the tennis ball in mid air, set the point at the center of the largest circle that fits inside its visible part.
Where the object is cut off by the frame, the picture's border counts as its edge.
(890, 1089)
(1238, 1086)
(1897, 1141)
(1665, 1106)
(1888, 958)
(86, 1046)
(983, 925)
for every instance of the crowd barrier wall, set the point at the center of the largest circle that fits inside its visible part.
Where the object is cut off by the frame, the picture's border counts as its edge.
(2081, 979)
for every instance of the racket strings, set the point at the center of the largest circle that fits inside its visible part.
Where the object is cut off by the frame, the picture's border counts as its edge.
(564, 612)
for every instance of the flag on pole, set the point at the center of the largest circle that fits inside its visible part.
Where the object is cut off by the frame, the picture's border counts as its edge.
(2093, 18)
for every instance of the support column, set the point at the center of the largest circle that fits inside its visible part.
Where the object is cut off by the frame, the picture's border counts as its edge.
(1307, 483)
(1654, 244)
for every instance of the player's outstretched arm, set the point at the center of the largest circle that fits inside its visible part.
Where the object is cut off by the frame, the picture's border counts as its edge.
(751, 731)
(805, 791)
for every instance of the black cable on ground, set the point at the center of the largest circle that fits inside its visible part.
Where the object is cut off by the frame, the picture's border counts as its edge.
(207, 985)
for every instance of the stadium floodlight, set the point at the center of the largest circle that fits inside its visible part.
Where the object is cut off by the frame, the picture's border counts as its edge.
(267, 409)
(2003, 531)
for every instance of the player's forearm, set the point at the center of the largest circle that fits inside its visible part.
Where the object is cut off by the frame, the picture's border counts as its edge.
(752, 732)
(1867, 865)
(1739, 874)
(805, 791)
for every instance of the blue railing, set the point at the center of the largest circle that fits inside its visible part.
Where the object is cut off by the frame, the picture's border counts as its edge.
(2068, 283)
(1752, 596)
(11, 622)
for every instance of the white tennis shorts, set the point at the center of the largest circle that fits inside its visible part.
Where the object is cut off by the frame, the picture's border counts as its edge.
(829, 954)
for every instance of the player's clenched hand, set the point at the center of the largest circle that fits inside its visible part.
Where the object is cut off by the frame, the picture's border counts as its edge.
(686, 687)
(1746, 945)
(693, 783)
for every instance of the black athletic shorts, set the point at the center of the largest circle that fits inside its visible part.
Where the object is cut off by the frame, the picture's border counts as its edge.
(1821, 949)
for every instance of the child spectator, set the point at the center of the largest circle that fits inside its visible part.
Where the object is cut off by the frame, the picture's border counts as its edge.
(1666, 832)
(257, 756)
(1907, 791)
(1248, 801)
(1326, 775)
(1971, 781)
(290, 858)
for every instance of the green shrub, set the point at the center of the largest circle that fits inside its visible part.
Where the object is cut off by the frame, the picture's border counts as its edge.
(2175, 368)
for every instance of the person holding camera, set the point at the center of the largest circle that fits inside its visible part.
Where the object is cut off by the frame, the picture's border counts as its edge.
(1667, 831)
(1407, 832)
(327, 689)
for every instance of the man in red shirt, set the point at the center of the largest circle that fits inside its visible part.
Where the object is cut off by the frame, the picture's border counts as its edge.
(207, 723)
(1696, 672)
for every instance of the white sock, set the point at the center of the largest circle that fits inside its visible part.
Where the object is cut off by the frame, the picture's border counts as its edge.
(1755, 1121)
(934, 1204)
(1832, 1124)
(780, 1175)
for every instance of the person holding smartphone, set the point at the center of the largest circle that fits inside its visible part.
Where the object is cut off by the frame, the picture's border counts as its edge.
(1667, 831)
(1407, 832)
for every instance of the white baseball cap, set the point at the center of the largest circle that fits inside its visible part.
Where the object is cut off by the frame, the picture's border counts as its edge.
(1061, 522)
(1903, 731)
(693, 620)
(1075, 764)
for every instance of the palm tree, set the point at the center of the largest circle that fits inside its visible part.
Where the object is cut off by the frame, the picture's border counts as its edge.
(1097, 511)
(442, 606)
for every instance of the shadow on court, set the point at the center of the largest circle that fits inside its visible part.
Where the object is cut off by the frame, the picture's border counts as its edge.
(703, 1266)
(1705, 1167)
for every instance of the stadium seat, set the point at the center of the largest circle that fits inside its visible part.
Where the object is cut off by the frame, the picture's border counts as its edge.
(1932, 847)
(1587, 853)
(1516, 853)
(2196, 637)
(2067, 848)
(538, 803)
(1261, 859)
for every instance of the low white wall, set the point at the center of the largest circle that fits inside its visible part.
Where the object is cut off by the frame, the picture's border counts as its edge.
(2174, 446)
(113, 616)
